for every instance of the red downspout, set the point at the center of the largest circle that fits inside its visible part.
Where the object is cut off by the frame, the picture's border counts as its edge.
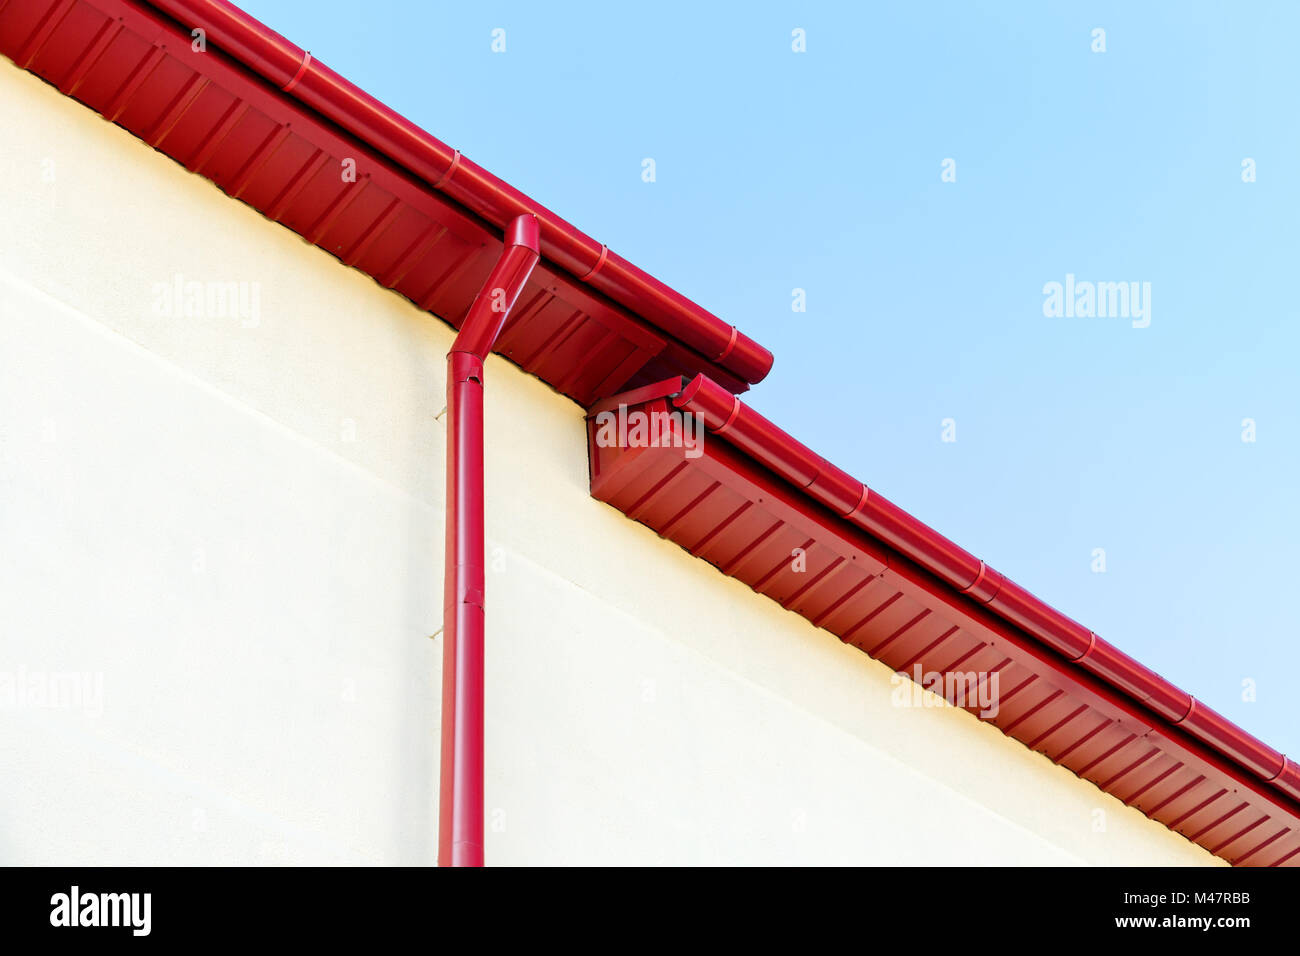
(460, 806)
(293, 70)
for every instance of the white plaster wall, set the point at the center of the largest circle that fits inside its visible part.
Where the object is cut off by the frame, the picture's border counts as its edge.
(236, 526)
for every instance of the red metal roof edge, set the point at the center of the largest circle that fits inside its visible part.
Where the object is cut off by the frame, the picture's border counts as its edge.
(1075, 648)
(218, 119)
(724, 506)
(297, 74)
(1076, 652)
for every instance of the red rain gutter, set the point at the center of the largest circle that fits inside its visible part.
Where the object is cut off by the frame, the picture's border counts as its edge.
(460, 805)
(724, 415)
(297, 73)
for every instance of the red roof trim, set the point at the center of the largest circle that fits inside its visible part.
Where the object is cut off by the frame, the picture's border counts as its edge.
(271, 56)
(248, 135)
(135, 66)
(902, 593)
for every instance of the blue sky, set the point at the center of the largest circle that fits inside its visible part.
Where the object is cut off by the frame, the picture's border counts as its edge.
(821, 170)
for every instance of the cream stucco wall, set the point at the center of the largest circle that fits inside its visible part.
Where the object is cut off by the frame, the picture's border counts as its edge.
(234, 523)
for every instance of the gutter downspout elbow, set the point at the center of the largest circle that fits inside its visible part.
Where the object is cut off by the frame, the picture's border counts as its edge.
(460, 805)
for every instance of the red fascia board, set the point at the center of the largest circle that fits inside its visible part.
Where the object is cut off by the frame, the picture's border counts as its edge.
(744, 505)
(295, 71)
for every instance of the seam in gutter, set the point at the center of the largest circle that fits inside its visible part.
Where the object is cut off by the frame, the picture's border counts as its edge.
(861, 502)
(735, 410)
(1092, 635)
(978, 578)
(306, 61)
(451, 171)
(604, 254)
(731, 344)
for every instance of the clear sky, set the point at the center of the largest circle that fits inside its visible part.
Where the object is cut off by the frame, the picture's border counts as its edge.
(823, 171)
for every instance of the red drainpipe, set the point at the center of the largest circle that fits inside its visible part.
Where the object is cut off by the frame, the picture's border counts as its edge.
(460, 806)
